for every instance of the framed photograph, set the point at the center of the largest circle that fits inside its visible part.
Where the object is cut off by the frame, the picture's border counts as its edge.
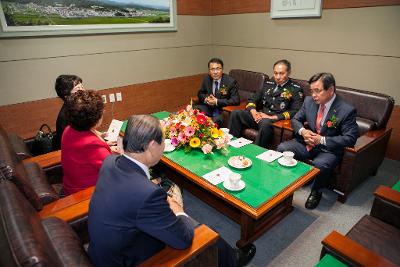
(295, 8)
(75, 17)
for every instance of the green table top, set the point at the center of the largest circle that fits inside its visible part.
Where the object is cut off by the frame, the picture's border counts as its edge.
(397, 186)
(263, 180)
(330, 261)
(159, 115)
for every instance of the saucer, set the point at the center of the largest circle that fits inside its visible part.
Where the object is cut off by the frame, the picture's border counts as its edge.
(228, 186)
(237, 163)
(284, 163)
(169, 148)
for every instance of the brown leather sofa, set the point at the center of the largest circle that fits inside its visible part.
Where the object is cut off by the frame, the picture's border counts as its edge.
(375, 239)
(248, 83)
(26, 240)
(362, 160)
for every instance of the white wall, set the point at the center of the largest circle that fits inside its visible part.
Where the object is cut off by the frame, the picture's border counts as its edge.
(360, 46)
(29, 66)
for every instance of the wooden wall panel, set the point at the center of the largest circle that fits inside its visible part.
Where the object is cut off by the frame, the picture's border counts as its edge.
(25, 118)
(394, 142)
(225, 7)
(194, 7)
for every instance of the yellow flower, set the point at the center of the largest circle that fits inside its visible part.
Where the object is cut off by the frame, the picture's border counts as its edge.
(214, 132)
(194, 142)
(220, 133)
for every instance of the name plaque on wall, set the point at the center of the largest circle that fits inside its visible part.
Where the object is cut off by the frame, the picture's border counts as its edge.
(295, 8)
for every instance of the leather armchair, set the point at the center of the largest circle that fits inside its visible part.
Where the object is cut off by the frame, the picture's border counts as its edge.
(26, 240)
(362, 160)
(248, 83)
(375, 239)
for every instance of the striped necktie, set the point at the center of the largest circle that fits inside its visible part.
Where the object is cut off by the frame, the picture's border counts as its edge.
(215, 87)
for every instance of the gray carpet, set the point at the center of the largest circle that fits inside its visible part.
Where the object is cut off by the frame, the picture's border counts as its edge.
(296, 240)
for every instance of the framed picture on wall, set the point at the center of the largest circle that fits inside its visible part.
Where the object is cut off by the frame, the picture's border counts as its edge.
(75, 17)
(295, 8)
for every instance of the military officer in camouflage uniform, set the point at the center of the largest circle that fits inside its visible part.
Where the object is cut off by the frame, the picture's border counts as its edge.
(279, 99)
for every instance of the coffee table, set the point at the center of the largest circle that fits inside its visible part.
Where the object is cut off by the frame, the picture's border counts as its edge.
(266, 199)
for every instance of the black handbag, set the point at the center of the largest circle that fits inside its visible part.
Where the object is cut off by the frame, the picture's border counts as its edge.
(43, 142)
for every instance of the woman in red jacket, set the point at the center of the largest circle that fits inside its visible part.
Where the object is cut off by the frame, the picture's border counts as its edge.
(83, 148)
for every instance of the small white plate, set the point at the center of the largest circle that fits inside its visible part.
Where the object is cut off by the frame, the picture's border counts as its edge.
(284, 163)
(169, 148)
(238, 163)
(228, 186)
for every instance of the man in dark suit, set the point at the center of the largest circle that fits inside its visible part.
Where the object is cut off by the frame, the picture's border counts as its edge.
(131, 218)
(279, 99)
(217, 91)
(332, 127)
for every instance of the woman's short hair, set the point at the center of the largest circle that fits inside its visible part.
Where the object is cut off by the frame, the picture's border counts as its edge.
(65, 84)
(84, 109)
(140, 131)
(326, 78)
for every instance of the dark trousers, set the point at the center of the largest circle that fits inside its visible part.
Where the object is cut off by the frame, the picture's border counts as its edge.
(213, 112)
(323, 160)
(242, 119)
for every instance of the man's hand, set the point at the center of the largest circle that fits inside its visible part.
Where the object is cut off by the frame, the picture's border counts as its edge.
(211, 100)
(175, 207)
(258, 116)
(311, 138)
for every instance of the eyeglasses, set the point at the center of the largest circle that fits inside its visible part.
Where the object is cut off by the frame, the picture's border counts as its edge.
(316, 91)
(215, 69)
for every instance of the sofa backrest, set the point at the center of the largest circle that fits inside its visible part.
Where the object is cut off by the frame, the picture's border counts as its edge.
(17, 171)
(25, 238)
(373, 109)
(248, 82)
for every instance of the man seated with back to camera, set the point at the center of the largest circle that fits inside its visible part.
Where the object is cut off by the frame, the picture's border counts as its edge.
(278, 100)
(131, 218)
(331, 127)
(217, 91)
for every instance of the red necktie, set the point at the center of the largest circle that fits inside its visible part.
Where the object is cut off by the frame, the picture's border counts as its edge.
(320, 115)
(319, 118)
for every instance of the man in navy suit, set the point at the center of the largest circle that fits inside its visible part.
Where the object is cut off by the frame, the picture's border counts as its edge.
(331, 127)
(131, 218)
(217, 91)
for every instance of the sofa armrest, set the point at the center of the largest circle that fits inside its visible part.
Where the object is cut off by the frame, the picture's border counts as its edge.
(69, 208)
(351, 252)
(386, 206)
(202, 247)
(48, 160)
(367, 139)
(232, 108)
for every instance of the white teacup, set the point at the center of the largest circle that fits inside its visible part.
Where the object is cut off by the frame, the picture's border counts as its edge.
(234, 179)
(225, 130)
(288, 157)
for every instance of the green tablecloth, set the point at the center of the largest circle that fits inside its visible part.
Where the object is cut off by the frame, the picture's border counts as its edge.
(397, 186)
(330, 261)
(263, 180)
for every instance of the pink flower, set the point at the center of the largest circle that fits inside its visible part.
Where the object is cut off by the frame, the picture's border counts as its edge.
(220, 143)
(189, 131)
(207, 148)
(182, 137)
(201, 135)
(174, 141)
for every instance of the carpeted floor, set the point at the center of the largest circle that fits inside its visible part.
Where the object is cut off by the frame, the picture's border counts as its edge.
(296, 240)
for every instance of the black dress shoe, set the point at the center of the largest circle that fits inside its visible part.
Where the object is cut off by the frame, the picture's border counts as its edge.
(245, 254)
(313, 200)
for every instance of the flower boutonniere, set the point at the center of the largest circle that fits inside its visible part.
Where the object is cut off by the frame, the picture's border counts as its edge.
(332, 122)
(287, 94)
(223, 90)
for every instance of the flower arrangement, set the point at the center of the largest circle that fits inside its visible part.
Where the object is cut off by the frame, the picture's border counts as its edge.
(286, 94)
(332, 122)
(223, 90)
(190, 129)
